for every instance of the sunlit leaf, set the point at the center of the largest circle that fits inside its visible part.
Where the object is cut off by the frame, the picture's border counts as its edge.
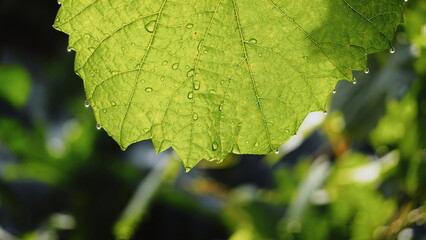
(213, 77)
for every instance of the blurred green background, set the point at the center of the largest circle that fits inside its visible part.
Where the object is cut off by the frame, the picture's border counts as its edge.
(357, 172)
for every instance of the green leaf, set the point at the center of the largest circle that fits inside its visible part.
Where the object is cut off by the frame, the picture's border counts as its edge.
(213, 77)
(15, 84)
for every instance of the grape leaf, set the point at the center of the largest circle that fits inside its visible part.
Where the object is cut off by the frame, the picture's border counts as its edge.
(213, 77)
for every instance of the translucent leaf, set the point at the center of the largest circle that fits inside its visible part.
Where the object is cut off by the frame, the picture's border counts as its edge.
(213, 77)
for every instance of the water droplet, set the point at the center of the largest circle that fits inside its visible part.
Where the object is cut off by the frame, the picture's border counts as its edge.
(259, 55)
(58, 20)
(325, 112)
(175, 66)
(162, 78)
(98, 126)
(113, 103)
(91, 49)
(354, 82)
(247, 142)
(256, 144)
(133, 44)
(190, 73)
(196, 85)
(253, 40)
(214, 146)
(148, 89)
(104, 110)
(212, 91)
(221, 107)
(287, 130)
(165, 62)
(334, 91)
(392, 50)
(86, 104)
(189, 25)
(190, 95)
(305, 57)
(405, 0)
(60, 3)
(195, 116)
(205, 51)
(187, 67)
(366, 71)
(277, 151)
(150, 26)
(69, 49)
(222, 82)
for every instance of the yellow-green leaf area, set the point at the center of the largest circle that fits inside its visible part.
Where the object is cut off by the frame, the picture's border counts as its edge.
(210, 78)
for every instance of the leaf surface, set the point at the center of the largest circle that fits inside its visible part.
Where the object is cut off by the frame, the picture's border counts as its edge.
(213, 77)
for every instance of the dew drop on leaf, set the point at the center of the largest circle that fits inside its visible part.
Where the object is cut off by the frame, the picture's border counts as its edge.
(366, 71)
(104, 110)
(334, 91)
(221, 107)
(214, 146)
(212, 91)
(150, 26)
(205, 51)
(165, 62)
(148, 89)
(190, 95)
(68, 49)
(113, 103)
(196, 85)
(256, 144)
(253, 40)
(189, 25)
(190, 73)
(287, 130)
(222, 82)
(98, 126)
(86, 104)
(277, 151)
(392, 50)
(175, 66)
(195, 116)
(325, 112)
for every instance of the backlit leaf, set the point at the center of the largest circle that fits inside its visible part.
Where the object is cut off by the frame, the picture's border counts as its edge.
(213, 77)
